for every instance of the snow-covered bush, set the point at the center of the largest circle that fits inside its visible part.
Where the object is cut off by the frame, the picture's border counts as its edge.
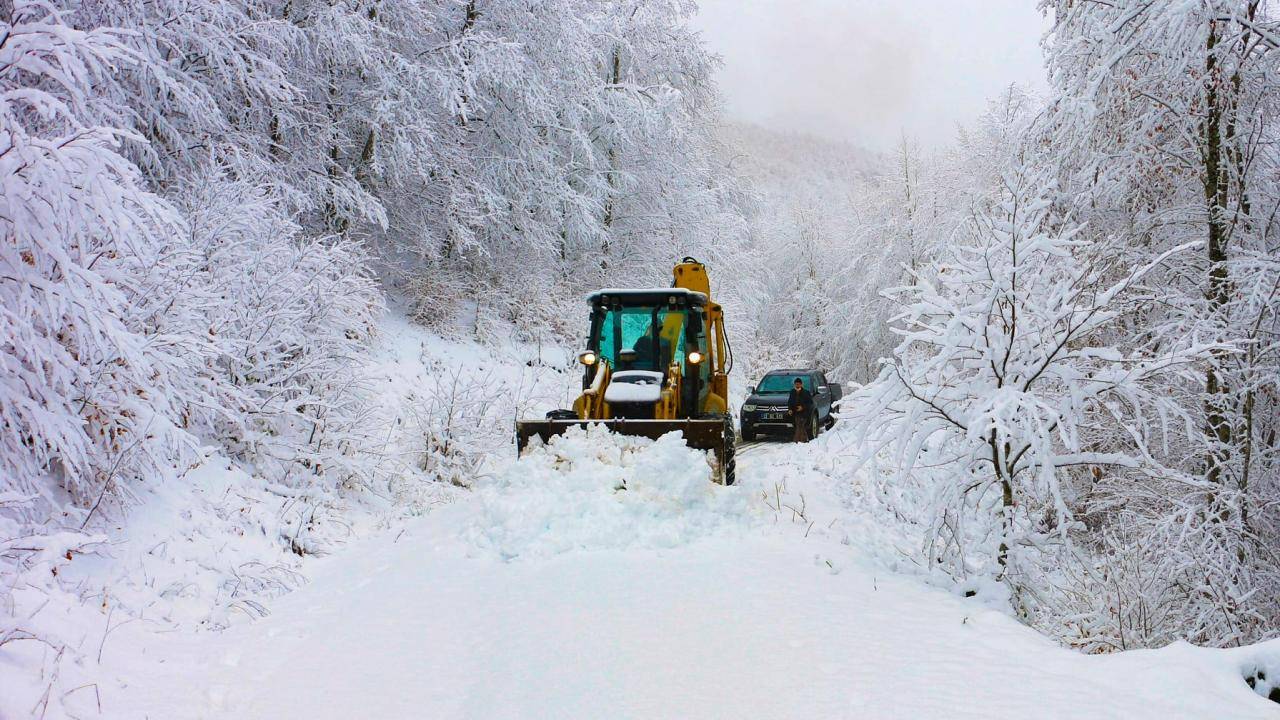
(1131, 486)
(87, 402)
(460, 420)
(147, 313)
(86, 399)
(1003, 401)
(292, 319)
(288, 323)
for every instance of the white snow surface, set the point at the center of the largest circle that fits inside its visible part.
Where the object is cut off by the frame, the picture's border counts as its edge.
(634, 386)
(592, 490)
(213, 548)
(551, 592)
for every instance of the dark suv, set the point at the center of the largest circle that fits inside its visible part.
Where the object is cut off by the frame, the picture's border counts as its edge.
(766, 408)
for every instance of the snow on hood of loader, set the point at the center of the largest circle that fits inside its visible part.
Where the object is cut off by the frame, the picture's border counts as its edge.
(591, 489)
(634, 386)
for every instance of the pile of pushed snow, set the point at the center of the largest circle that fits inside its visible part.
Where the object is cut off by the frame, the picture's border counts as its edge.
(594, 490)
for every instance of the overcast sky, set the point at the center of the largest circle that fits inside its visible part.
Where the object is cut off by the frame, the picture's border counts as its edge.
(868, 70)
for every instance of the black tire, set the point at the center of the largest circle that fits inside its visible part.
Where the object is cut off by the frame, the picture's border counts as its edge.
(748, 432)
(814, 425)
(730, 464)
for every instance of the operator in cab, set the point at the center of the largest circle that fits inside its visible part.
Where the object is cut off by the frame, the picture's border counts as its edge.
(800, 404)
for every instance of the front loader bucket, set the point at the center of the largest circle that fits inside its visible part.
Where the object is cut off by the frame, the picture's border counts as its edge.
(702, 434)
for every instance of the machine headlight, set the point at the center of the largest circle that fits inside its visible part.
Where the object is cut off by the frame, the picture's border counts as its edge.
(587, 358)
(748, 408)
(695, 357)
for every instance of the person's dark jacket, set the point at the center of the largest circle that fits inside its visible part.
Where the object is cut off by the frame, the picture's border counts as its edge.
(800, 401)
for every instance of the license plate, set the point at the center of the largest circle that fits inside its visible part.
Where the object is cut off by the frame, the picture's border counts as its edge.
(773, 416)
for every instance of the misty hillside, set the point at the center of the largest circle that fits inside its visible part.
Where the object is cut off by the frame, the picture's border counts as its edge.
(468, 359)
(771, 160)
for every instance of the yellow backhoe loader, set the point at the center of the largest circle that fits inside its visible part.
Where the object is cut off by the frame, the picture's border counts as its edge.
(657, 360)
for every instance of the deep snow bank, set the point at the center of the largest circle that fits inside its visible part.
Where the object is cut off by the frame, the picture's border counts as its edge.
(594, 490)
(219, 545)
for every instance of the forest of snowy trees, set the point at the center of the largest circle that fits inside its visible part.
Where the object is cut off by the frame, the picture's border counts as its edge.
(1081, 297)
(206, 204)
(1065, 325)
(202, 197)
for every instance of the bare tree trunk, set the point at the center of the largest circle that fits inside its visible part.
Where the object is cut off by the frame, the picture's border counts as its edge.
(1003, 476)
(334, 221)
(1239, 162)
(273, 126)
(364, 172)
(1217, 291)
(470, 16)
(615, 77)
(363, 166)
(909, 205)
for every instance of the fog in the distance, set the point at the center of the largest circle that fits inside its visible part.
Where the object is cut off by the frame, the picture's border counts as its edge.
(868, 71)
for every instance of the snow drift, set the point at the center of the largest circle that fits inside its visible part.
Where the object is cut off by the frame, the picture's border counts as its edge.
(594, 490)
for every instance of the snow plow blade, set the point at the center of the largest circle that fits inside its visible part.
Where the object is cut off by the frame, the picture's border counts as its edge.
(702, 434)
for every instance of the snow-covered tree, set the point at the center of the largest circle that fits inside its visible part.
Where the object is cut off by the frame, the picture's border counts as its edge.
(1161, 129)
(85, 398)
(1004, 393)
(579, 143)
(1164, 126)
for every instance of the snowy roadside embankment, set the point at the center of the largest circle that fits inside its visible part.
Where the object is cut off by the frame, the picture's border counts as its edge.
(216, 546)
(548, 592)
(598, 576)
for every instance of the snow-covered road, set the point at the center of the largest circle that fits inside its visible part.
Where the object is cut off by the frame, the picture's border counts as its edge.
(549, 595)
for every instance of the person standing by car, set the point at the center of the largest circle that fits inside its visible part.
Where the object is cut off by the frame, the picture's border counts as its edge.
(800, 403)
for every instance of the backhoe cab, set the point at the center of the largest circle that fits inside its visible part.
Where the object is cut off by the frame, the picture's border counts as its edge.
(656, 361)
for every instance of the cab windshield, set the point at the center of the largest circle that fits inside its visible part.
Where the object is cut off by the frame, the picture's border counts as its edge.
(782, 383)
(641, 338)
